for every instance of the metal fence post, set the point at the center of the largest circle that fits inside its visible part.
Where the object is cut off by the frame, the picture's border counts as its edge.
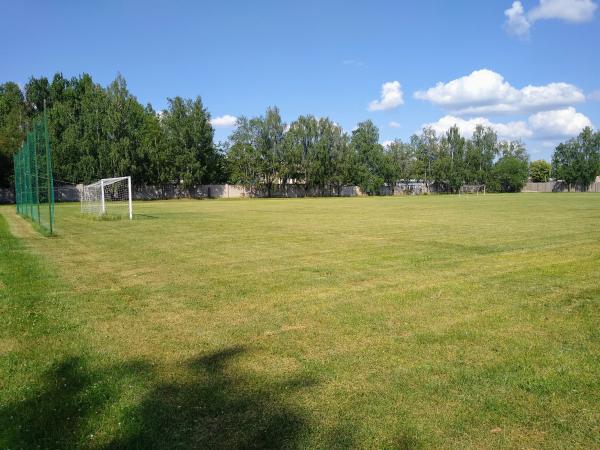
(50, 180)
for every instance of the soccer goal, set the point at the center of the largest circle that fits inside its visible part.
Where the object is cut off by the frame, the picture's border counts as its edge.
(108, 196)
(472, 189)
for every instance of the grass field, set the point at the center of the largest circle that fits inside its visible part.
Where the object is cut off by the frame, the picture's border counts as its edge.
(418, 322)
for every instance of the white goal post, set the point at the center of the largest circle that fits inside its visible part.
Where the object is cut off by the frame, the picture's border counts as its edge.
(108, 196)
(472, 189)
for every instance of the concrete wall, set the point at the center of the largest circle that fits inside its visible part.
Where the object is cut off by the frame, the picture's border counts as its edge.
(237, 191)
(68, 193)
(71, 193)
(559, 186)
(7, 195)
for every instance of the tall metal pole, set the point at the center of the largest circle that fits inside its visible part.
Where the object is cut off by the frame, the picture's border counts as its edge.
(36, 194)
(50, 180)
(29, 185)
(15, 171)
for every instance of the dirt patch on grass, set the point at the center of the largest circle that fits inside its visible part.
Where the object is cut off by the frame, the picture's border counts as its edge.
(18, 226)
(8, 345)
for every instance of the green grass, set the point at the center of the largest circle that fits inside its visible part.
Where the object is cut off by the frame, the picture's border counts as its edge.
(417, 322)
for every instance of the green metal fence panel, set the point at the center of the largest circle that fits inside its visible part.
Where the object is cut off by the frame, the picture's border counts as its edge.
(34, 184)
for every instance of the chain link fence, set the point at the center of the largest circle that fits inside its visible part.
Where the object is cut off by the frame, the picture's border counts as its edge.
(34, 186)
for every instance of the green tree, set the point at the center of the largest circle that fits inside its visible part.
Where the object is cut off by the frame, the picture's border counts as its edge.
(368, 157)
(448, 166)
(335, 156)
(242, 156)
(481, 151)
(257, 152)
(514, 149)
(511, 170)
(189, 138)
(539, 171)
(269, 143)
(77, 125)
(316, 152)
(301, 160)
(98, 132)
(510, 174)
(154, 152)
(13, 120)
(122, 124)
(577, 161)
(37, 92)
(426, 148)
(399, 163)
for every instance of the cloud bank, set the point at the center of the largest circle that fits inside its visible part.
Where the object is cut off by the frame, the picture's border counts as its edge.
(487, 92)
(554, 124)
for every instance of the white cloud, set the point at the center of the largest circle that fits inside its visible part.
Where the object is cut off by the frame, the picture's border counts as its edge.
(568, 10)
(387, 143)
(546, 125)
(558, 123)
(487, 92)
(518, 22)
(394, 124)
(509, 130)
(223, 121)
(391, 97)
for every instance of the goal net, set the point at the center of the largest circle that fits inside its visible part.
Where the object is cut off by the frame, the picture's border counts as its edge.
(108, 196)
(472, 189)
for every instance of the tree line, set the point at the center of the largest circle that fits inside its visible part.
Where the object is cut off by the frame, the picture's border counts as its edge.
(98, 132)
(263, 151)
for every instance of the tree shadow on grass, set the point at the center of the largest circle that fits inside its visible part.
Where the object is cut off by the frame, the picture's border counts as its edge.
(54, 414)
(217, 408)
(213, 404)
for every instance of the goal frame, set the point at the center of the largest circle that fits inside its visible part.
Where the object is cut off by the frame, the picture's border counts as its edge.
(101, 185)
(470, 189)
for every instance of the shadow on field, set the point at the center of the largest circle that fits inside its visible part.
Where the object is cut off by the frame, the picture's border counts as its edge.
(213, 406)
(55, 413)
(138, 216)
(217, 409)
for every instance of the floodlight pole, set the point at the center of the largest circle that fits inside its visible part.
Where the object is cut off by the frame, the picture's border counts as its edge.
(130, 206)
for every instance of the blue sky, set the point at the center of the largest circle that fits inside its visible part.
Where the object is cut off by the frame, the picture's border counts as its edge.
(528, 68)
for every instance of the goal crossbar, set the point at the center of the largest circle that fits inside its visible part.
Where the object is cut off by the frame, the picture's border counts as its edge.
(108, 181)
